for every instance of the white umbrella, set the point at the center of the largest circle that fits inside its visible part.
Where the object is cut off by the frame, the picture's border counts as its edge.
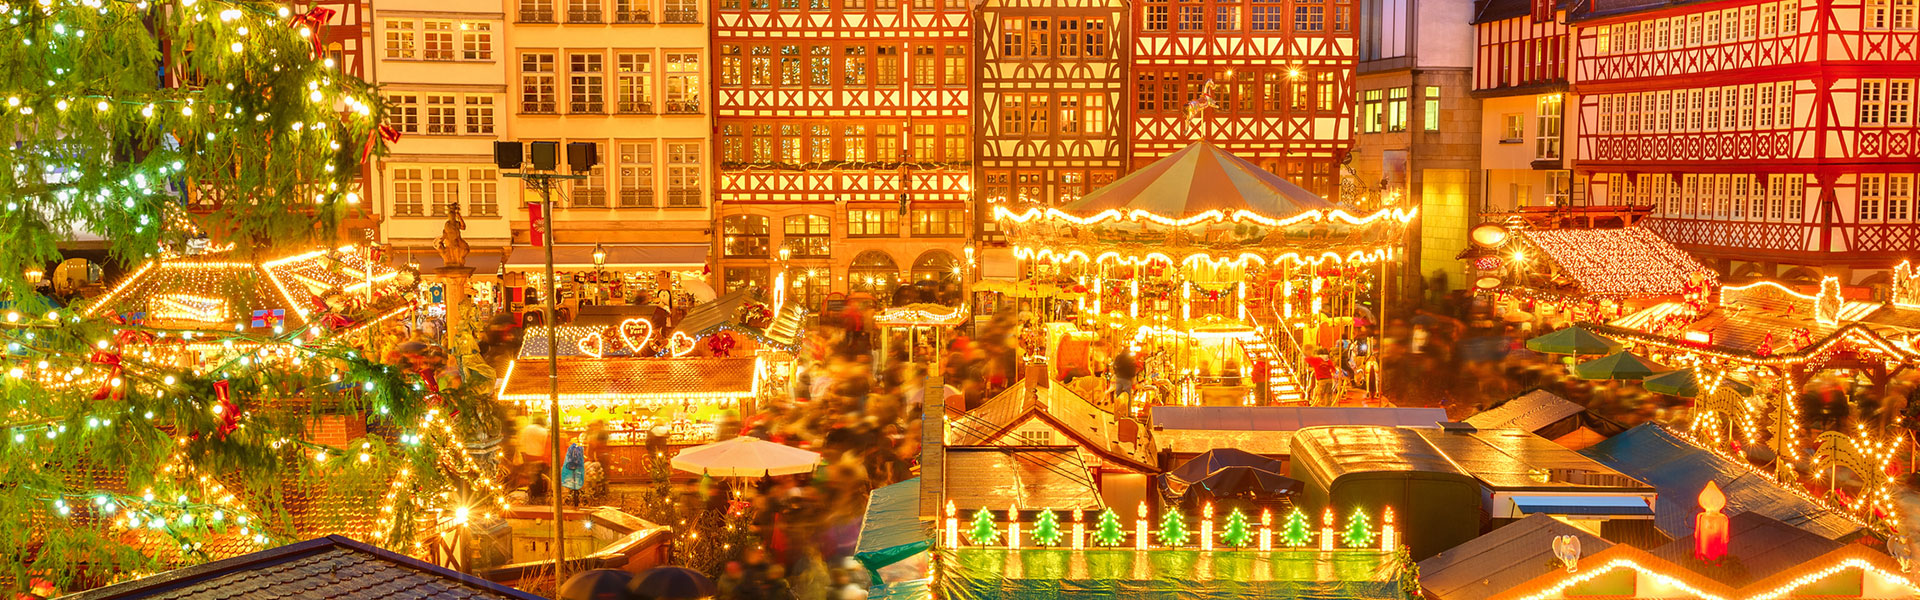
(745, 456)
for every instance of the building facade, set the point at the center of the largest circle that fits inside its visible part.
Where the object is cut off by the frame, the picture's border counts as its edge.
(1772, 139)
(844, 142)
(629, 76)
(1522, 52)
(1282, 77)
(1050, 122)
(1418, 126)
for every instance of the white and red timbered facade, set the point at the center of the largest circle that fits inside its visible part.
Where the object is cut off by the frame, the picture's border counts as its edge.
(1522, 53)
(842, 129)
(1284, 71)
(1767, 135)
(1052, 93)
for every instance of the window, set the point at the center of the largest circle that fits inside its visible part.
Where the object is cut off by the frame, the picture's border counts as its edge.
(954, 72)
(923, 143)
(592, 191)
(479, 115)
(1036, 437)
(1548, 144)
(886, 67)
(760, 70)
(790, 66)
(1038, 114)
(683, 83)
(1269, 18)
(1738, 197)
(443, 115)
(1796, 197)
(682, 12)
(476, 41)
(1430, 119)
(746, 278)
(730, 65)
(733, 149)
(853, 147)
(1226, 18)
(1665, 112)
(1070, 114)
(683, 174)
(1603, 41)
(1872, 194)
(1013, 37)
(483, 193)
(1746, 107)
(1903, 15)
(1698, 110)
(1713, 110)
(1094, 114)
(1156, 17)
(1772, 189)
(634, 86)
(924, 66)
(954, 144)
(536, 11)
(444, 185)
(1872, 101)
(1397, 109)
(1094, 41)
(1713, 28)
(1689, 194)
(437, 40)
(853, 66)
(405, 116)
(886, 143)
(1146, 97)
(1769, 19)
(537, 93)
(586, 83)
(819, 143)
(1765, 99)
(745, 236)
(583, 11)
(1193, 17)
(807, 286)
(400, 39)
(873, 223)
(1900, 103)
(1749, 22)
(636, 174)
(1783, 96)
(1309, 18)
(635, 11)
(806, 236)
(1370, 109)
(409, 193)
(1325, 89)
(790, 150)
(1899, 197)
(1790, 17)
(762, 143)
(820, 66)
(1515, 128)
(1039, 42)
(1067, 38)
(941, 222)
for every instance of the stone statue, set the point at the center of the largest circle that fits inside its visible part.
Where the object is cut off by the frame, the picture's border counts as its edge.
(452, 247)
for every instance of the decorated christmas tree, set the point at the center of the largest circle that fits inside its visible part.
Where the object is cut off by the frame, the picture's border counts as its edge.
(1107, 532)
(1173, 529)
(1046, 528)
(983, 531)
(1297, 533)
(1236, 533)
(1359, 533)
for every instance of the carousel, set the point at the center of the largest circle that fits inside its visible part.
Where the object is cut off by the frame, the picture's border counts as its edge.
(1218, 277)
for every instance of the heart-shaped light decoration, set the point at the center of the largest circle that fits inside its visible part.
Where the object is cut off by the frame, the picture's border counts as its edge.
(636, 334)
(681, 344)
(592, 344)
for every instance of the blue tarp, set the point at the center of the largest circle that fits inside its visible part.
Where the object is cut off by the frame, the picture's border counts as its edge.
(1583, 505)
(892, 529)
(1679, 470)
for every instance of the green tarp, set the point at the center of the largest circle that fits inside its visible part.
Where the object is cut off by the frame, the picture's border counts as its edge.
(892, 530)
(1163, 574)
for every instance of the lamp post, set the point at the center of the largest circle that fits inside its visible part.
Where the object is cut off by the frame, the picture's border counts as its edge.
(545, 159)
(600, 269)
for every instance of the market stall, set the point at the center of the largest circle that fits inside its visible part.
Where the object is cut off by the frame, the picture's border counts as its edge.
(1543, 277)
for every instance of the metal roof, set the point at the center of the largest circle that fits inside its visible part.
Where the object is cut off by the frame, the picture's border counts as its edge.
(1288, 418)
(1090, 426)
(1041, 477)
(1509, 460)
(1331, 452)
(1762, 546)
(1527, 412)
(1678, 470)
(318, 569)
(1501, 559)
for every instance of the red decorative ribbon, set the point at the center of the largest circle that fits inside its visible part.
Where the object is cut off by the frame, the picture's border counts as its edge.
(721, 344)
(314, 20)
(385, 132)
(229, 412)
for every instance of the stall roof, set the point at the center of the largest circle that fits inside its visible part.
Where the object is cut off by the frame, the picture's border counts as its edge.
(1761, 546)
(1527, 412)
(1507, 460)
(1289, 418)
(216, 291)
(1037, 477)
(327, 568)
(1592, 259)
(1503, 558)
(616, 378)
(1167, 574)
(640, 256)
(892, 529)
(722, 312)
(1092, 427)
(1335, 451)
(1678, 470)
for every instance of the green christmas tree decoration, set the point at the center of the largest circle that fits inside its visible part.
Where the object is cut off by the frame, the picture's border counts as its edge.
(1108, 532)
(983, 530)
(1236, 533)
(1359, 532)
(1296, 533)
(1173, 529)
(1046, 528)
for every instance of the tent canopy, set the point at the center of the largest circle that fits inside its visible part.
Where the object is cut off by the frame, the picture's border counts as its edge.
(1198, 179)
(1678, 470)
(1619, 365)
(892, 529)
(1199, 467)
(1573, 340)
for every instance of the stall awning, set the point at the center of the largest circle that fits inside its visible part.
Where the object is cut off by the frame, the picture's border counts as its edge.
(639, 379)
(643, 256)
(1616, 506)
(482, 263)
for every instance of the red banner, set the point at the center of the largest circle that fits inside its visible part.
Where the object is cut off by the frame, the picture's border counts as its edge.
(537, 223)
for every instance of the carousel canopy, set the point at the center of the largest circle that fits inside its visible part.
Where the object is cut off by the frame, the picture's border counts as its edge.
(1198, 179)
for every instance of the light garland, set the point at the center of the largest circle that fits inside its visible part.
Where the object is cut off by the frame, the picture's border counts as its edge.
(1393, 215)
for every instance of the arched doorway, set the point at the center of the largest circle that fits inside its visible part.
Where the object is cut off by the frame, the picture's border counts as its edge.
(874, 272)
(935, 278)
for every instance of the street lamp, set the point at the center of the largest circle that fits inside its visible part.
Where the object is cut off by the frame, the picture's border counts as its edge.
(599, 256)
(545, 160)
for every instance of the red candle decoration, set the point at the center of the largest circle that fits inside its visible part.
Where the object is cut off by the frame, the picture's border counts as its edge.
(1710, 529)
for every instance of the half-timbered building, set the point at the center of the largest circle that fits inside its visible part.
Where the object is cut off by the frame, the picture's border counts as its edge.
(1051, 100)
(1772, 138)
(1522, 51)
(1282, 74)
(842, 130)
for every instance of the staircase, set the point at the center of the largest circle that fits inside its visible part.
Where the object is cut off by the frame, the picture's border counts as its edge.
(1283, 383)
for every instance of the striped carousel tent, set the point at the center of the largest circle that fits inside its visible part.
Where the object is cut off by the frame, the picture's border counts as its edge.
(1197, 179)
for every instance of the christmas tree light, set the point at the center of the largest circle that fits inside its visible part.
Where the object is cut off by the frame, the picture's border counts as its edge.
(1173, 529)
(1046, 528)
(1297, 533)
(1359, 533)
(1107, 532)
(1237, 533)
(983, 532)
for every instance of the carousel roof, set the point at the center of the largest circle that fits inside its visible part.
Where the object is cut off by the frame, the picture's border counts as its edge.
(1198, 179)
(218, 292)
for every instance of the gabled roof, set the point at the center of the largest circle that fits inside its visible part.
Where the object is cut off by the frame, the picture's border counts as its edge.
(1762, 546)
(1030, 477)
(1677, 580)
(1678, 470)
(1527, 412)
(211, 292)
(1089, 426)
(331, 567)
(1505, 557)
(720, 313)
(1628, 262)
(1198, 179)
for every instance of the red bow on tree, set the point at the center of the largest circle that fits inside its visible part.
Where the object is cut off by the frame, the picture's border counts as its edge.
(313, 20)
(433, 383)
(229, 412)
(112, 359)
(721, 345)
(384, 132)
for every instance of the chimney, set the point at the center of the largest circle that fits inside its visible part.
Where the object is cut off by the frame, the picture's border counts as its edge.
(1037, 375)
(1129, 430)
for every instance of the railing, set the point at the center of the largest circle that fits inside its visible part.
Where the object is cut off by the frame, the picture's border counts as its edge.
(1289, 356)
(636, 198)
(683, 197)
(536, 15)
(589, 198)
(682, 16)
(594, 107)
(636, 107)
(540, 108)
(633, 15)
(589, 14)
(685, 107)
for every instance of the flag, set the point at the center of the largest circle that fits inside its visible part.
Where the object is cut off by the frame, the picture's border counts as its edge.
(267, 318)
(537, 223)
